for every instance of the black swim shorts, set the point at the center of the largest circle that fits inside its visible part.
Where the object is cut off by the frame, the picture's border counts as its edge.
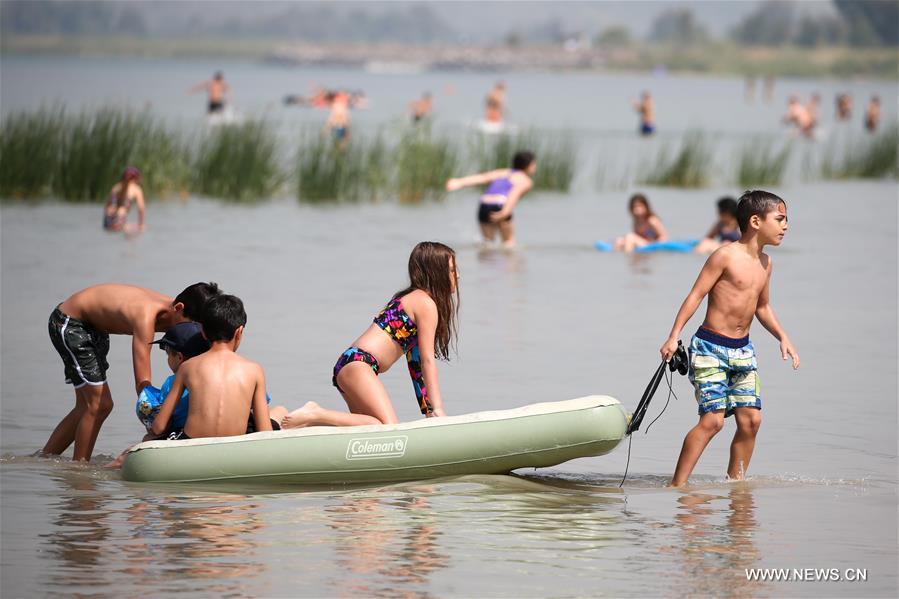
(82, 348)
(485, 210)
(251, 424)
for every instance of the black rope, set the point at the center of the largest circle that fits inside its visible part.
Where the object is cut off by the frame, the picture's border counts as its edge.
(669, 377)
(637, 418)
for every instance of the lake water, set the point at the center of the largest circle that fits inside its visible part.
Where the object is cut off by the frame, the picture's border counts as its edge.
(551, 321)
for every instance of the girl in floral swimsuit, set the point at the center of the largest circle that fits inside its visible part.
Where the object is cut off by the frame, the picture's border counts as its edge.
(420, 322)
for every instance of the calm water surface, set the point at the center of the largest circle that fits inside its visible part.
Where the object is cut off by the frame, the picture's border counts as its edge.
(551, 321)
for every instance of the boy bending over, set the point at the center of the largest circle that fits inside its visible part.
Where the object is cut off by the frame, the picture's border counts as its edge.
(722, 359)
(80, 328)
(223, 386)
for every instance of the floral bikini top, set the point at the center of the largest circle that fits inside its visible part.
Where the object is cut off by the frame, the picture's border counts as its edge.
(394, 321)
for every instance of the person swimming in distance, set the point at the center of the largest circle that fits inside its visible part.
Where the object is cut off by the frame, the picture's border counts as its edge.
(648, 228)
(124, 194)
(505, 188)
(726, 230)
(872, 114)
(645, 107)
(217, 92)
(421, 109)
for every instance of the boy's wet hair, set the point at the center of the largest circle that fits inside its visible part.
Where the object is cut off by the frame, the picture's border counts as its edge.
(753, 203)
(728, 205)
(194, 298)
(522, 160)
(222, 316)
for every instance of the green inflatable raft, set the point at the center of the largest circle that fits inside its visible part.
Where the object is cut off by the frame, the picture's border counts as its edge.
(534, 436)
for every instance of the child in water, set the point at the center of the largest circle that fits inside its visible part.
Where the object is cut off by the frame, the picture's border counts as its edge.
(723, 367)
(123, 195)
(420, 322)
(226, 390)
(505, 187)
(725, 231)
(648, 228)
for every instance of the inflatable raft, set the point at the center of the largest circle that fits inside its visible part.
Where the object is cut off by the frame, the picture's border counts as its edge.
(498, 442)
(682, 246)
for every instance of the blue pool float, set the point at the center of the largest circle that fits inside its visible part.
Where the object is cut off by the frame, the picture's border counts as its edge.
(683, 246)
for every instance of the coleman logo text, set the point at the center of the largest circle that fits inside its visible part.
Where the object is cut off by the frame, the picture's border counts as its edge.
(377, 447)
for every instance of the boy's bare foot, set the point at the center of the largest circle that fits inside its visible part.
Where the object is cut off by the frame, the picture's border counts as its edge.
(301, 416)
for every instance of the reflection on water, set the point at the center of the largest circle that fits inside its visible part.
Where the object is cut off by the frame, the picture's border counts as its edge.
(384, 544)
(716, 545)
(79, 530)
(565, 534)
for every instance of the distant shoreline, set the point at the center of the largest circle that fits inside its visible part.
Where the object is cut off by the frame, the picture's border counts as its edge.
(716, 58)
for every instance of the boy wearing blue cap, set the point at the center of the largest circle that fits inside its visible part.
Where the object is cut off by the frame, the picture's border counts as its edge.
(180, 343)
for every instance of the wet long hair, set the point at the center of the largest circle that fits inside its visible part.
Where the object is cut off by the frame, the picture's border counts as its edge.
(639, 198)
(429, 270)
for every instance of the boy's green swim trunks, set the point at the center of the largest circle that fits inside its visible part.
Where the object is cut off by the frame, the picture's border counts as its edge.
(82, 348)
(724, 372)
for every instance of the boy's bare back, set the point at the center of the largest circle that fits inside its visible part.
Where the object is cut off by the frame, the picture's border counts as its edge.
(741, 279)
(118, 309)
(223, 388)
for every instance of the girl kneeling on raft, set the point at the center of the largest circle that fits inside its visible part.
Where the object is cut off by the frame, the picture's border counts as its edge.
(505, 187)
(420, 322)
(648, 228)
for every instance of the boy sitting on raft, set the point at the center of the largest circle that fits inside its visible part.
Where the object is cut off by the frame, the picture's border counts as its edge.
(79, 329)
(723, 366)
(180, 343)
(223, 386)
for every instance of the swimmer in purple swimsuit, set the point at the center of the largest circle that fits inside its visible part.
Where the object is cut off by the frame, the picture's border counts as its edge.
(505, 187)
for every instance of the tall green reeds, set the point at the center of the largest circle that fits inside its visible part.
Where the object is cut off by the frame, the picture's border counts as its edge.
(556, 156)
(870, 158)
(29, 152)
(423, 165)
(688, 168)
(238, 162)
(329, 172)
(759, 164)
(95, 150)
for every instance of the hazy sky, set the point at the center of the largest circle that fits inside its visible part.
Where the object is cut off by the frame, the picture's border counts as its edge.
(483, 20)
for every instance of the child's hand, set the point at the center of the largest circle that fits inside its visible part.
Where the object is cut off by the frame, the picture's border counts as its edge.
(499, 215)
(668, 348)
(787, 349)
(452, 185)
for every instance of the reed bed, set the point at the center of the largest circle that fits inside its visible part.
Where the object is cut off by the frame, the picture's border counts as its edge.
(877, 157)
(95, 149)
(759, 164)
(423, 165)
(29, 152)
(688, 168)
(329, 172)
(238, 162)
(79, 157)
